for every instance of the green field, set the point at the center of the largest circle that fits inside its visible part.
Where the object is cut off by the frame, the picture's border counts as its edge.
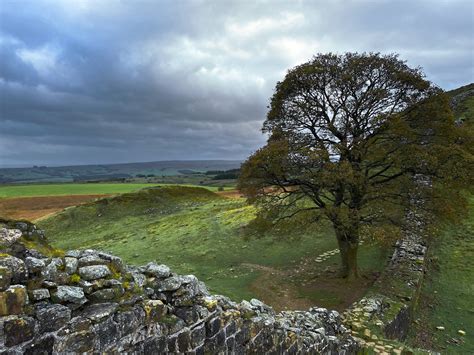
(197, 231)
(447, 297)
(30, 190)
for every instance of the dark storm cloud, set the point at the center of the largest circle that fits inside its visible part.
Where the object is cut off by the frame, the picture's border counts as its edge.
(109, 81)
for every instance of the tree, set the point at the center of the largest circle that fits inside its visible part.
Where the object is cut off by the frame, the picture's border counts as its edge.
(347, 133)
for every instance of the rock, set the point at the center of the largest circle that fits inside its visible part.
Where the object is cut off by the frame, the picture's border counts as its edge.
(17, 267)
(94, 272)
(9, 236)
(98, 312)
(13, 300)
(155, 270)
(73, 253)
(71, 265)
(154, 309)
(440, 328)
(17, 330)
(70, 294)
(139, 279)
(39, 294)
(50, 272)
(170, 284)
(52, 317)
(5, 278)
(461, 332)
(91, 260)
(106, 294)
(34, 265)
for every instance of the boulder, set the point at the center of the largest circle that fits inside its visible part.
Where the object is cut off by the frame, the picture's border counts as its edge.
(94, 272)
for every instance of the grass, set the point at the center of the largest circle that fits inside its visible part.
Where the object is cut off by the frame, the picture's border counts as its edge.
(194, 231)
(447, 297)
(30, 190)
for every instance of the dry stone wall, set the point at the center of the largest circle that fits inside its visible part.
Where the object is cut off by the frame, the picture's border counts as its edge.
(90, 301)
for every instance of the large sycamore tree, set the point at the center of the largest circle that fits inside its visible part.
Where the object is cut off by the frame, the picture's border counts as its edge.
(347, 134)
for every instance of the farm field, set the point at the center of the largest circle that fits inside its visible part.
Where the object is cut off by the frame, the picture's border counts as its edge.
(196, 231)
(447, 297)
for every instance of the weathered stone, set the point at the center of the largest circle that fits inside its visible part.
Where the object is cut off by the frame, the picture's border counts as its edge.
(100, 311)
(39, 294)
(154, 310)
(94, 272)
(155, 270)
(17, 267)
(79, 342)
(71, 294)
(91, 260)
(44, 345)
(34, 265)
(52, 317)
(9, 236)
(13, 300)
(73, 253)
(5, 278)
(107, 333)
(139, 279)
(17, 330)
(50, 272)
(71, 265)
(104, 295)
(184, 341)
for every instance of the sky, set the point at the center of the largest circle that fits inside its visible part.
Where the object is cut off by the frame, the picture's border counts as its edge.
(108, 81)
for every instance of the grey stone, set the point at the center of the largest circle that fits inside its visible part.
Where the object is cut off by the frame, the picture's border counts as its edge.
(9, 236)
(89, 260)
(94, 272)
(17, 330)
(155, 270)
(71, 265)
(52, 317)
(34, 264)
(139, 279)
(17, 267)
(71, 294)
(39, 294)
(98, 312)
(73, 253)
(106, 294)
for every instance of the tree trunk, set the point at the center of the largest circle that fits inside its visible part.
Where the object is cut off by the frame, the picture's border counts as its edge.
(348, 251)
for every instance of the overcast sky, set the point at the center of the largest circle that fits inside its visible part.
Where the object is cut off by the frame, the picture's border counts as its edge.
(106, 81)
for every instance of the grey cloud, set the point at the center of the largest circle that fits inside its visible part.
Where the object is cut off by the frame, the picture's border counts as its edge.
(96, 82)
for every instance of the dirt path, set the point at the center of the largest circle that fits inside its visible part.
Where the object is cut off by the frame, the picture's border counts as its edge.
(313, 282)
(33, 208)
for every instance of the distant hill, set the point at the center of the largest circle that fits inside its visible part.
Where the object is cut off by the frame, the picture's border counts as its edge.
(112, 171)
(462, 100)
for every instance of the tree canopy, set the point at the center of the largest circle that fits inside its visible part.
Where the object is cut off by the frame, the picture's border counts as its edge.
(347, 134)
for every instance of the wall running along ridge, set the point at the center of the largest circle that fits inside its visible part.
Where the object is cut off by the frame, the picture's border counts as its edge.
(90, 301)
(385, 313)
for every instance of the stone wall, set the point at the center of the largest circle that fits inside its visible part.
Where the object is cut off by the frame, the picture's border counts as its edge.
(384, 314)
(89, 301)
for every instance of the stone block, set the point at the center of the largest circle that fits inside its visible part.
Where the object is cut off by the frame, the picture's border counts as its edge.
(17, 330)
(13, 300)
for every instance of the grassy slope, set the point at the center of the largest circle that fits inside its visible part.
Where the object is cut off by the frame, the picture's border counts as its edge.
(447, 297)
(192, 230)
(70, 189)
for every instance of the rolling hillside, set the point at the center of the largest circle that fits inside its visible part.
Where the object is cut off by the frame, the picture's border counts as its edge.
(112, 171)
(196, 231)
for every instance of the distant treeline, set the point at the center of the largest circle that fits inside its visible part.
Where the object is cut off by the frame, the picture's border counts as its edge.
(97, 177)
(224, 174)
